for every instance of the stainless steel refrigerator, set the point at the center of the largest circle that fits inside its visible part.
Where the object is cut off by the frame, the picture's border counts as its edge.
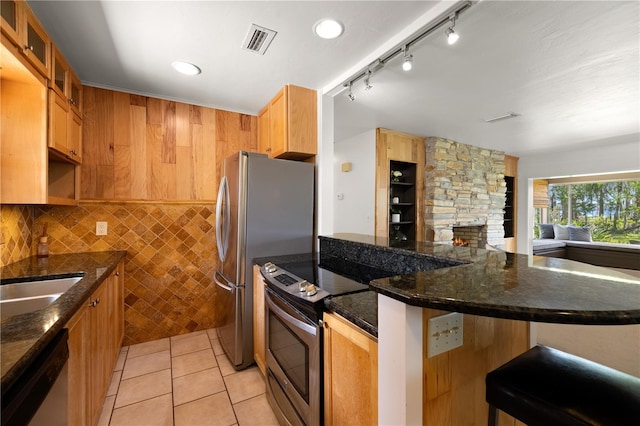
(264, 208)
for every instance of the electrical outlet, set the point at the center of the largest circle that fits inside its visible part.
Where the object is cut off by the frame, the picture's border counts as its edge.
(444, 333)
(101, 228)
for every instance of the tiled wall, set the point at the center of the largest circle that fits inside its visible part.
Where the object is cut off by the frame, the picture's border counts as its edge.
(171, 259)
(15, 233)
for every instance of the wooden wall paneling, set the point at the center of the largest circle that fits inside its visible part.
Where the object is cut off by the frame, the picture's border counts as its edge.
(198, 154)
(138, 161)
(182, 125)
(154, 158)
(151, 149)
(169, 133)
(122, 146)
(209, 184)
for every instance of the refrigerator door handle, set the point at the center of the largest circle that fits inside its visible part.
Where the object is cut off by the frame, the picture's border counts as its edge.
(222, 236)
(227, 285)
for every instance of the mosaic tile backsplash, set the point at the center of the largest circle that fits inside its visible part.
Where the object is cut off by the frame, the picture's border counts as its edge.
(16, 223)
(171, 259)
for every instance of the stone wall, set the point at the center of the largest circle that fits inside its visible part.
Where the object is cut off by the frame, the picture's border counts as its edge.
(464, 186)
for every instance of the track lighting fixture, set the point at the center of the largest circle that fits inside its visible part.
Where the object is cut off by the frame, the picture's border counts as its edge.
(351, 95)
(447, 19)
(407, 64)
(367, 81)
(452, 36)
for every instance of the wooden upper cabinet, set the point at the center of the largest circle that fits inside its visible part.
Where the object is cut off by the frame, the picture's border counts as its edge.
(23, 29)
(75, 93)
(263, 131)
(287, 126)
(36, 44)
(59, 79)
(65, 124)
(10, 19)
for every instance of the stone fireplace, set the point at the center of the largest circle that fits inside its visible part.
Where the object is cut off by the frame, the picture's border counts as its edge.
(465, 193)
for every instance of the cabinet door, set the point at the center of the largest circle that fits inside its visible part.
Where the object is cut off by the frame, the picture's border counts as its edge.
(75, 93)
(58, 126)
(36, 42)
(259, 344)
(74, 137)
(59, 80)
(302, 134)
(99, 343)
(10, 20)
(264, 145)
(119, 309)
(278, 116)
(79, 366)
(350, 374)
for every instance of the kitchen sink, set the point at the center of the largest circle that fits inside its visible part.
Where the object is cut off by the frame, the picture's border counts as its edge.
(19, 298)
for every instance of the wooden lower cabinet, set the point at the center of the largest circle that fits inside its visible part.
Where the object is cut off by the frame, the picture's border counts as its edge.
(350, 373)
(95, 335)
(259, 343)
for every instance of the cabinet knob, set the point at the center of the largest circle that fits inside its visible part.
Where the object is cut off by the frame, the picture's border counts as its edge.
(117, 274)
(97, 301)
(27, 47)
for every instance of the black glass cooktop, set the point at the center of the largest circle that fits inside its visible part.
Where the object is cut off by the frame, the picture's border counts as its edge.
(334, 275)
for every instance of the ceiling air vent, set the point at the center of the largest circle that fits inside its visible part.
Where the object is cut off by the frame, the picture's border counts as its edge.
(258, 39)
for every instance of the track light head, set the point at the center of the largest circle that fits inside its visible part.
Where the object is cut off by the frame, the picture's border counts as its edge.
(452, 36)
(407, 64)
(367, 81)
(351, 95)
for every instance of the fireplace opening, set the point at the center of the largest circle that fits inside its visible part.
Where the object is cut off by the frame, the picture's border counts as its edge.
(459, 242)
(474, 236)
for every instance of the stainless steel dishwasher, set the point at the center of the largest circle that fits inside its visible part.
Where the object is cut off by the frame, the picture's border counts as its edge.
(39, 395)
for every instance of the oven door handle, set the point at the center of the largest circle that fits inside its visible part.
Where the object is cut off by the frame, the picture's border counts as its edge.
(227, 285)
(288, 318)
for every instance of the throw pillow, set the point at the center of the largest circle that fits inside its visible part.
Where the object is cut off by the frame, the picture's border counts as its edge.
(546, 231)
(579, 233)
(560, 232)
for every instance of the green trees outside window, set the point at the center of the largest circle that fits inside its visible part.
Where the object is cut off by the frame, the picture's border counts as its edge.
(610, 209)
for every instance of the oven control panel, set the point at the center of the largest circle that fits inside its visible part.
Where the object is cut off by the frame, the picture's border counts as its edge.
(292, 284)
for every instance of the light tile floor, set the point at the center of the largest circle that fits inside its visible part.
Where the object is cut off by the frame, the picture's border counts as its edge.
(184, 380)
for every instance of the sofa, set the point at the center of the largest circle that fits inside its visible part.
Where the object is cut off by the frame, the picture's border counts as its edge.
(574, 243)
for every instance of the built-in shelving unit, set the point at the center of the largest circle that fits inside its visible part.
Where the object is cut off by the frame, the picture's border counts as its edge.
(402, 201)
(511, 203)
(509, 208)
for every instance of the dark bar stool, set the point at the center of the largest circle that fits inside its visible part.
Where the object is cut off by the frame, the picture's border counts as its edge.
(546, 387)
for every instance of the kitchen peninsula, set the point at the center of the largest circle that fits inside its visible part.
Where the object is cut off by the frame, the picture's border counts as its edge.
(498, 292)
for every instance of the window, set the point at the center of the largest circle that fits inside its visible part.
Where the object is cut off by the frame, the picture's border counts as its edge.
(611, 209)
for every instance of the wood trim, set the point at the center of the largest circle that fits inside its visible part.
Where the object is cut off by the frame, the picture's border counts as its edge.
(540, 193)
(163, 202)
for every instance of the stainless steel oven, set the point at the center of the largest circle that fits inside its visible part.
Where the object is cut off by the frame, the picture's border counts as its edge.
(294, 303)
(294, 369)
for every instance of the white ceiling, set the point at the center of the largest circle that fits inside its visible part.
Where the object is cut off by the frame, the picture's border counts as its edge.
(572, 69)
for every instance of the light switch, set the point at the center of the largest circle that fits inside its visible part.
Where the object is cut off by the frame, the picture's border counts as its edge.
(444, 333)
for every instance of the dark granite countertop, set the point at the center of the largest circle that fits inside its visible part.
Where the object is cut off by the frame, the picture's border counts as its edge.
(22, 337)
(498, 284)
(359, 308)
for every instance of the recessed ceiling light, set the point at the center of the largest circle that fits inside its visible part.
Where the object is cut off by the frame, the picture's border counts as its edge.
(328, 28)
(185, 68)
